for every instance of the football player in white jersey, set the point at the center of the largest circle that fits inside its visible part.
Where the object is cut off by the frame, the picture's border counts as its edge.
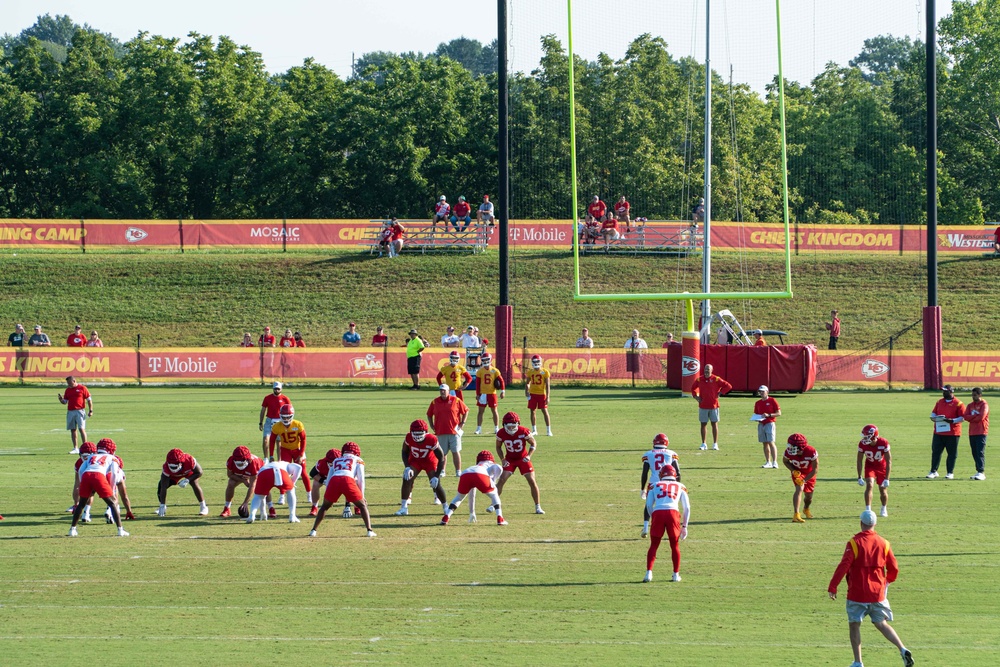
(667, 502)
(480, 477)
(280, 475)
(98, 473)
(652, 461)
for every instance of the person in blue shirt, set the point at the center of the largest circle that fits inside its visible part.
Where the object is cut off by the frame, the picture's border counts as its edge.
(351, 337)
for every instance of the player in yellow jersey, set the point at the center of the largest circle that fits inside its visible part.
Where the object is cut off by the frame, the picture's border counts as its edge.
(488, 381)
(538, 387)
(290, 434)
(454, 375)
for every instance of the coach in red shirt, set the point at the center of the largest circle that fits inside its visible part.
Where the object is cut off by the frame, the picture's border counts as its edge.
(948, 415)
(870, 566)
(706, 390)
(447, 415)
(977, 413)
(77, 339)
(75, 398)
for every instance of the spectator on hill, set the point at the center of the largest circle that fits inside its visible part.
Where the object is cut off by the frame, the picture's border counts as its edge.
(76, 339)
(833, 326)
(469, 338)
(585, 340)
(16, 339)
(698, 214)
(596, 210)
(298, 339)
(94, 340)
(589, 231)
(441, 210)
(351, 337)
(39, 339)
(485, 212)
(622, 210)
(482, 340)
(286, 339)
(670, 339)
(267, 338)
(462, 211)
(450, 339)
(635, 342)
(390, 237)
(247, 340)
(379, 339)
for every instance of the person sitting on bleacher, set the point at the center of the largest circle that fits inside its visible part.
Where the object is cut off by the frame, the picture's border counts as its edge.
(609, 229)
(622, 209)
(461, 211)
(485, 212)
(441, 210)
(390, 238)
(596, 210)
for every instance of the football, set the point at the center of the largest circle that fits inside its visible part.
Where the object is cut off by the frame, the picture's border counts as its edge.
(243, 511)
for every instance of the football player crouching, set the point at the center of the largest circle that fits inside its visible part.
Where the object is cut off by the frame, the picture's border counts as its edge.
(481, 478)
(280, 475)
(652, 461)
(180, 469)
(87, 449)
(421, 453)
(318, 475)
(108, 446)
(97, 474)
(241, 468)
(516, 445)
(347, 479)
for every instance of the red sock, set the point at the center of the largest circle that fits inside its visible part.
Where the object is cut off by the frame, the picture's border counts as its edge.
(654, 544)
(307, 483)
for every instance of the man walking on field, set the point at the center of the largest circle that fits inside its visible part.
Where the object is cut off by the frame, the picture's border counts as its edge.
(870, 566)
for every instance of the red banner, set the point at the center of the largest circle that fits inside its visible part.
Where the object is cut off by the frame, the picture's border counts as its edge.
(105, 364)
(522, 233)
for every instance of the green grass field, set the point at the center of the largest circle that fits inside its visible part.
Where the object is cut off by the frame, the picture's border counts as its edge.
(555, 589)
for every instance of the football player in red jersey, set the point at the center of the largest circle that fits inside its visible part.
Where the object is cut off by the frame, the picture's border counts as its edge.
(803, 462)
(108, 446)
(241, 468)
(516, 445)
(421, 453)
(270, 412)
(180, 469)
(318, 475)
(874, 464)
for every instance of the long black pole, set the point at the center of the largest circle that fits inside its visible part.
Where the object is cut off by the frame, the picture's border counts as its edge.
(503, 156)
(932, 211)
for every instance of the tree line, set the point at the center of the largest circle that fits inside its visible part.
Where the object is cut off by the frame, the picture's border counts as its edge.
(164, 128)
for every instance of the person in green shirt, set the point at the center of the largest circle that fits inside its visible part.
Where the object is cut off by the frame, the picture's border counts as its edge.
(414, 349)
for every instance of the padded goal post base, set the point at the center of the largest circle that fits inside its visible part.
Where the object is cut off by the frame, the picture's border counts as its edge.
(503, 322)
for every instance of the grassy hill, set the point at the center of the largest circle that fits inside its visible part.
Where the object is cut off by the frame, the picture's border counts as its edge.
(210, 299)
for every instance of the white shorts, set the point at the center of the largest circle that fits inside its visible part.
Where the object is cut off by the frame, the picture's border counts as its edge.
(268, 423)
(876, 611)
(708, 415)
(450, 443)
(76, 419)
(765, 432)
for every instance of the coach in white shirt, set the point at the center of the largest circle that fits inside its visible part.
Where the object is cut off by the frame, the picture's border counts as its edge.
(635, 342)
(585, 340)
(469, 338)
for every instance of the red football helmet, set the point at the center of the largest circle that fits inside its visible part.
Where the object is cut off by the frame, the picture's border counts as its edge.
(106, 445)
(287, 413)
(510, 422)
(351, 447)
(487, 359)
(869, 433)
(418, 430)
(660, 441)
(667, 470)
(536, 361)
(484, 455)
(797, 440)
(88, 448)
(332, 455)
(453, 358)
(241, 457)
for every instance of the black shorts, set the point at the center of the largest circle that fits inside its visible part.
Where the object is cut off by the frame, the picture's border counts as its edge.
(313, 473)
(413, 365)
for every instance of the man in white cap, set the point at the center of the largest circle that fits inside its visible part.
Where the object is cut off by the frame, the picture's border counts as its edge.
(870, 566)
(441, 210)
(270, 412)
(447, 415)
(469, 338)
(765, 411)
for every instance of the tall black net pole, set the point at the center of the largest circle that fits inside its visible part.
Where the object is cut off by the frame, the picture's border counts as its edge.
(504, 312)
(933, 343)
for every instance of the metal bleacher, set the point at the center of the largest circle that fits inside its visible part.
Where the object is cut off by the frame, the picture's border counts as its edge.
(666, 238)
(422, 237)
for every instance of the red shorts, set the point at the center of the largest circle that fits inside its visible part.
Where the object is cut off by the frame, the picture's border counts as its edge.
(267, 480)
(95, 482)
(878, 472)
(428, 465)
(665, 521)
(291, 455)
(538, 402)
(491, 401)
(810, 485)
(341, 485)
(524, 467)
(473, 480)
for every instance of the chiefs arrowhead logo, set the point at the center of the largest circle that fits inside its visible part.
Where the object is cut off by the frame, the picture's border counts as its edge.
(134, 234)
(690, 366)
(872, 368)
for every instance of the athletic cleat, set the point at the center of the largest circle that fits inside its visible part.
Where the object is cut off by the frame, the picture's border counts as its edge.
(444, 520)
(203, 511)
(808, 514)
(402, 511)
(75, 450)
(979, 476)
(122, 532)
(715, 446)
(676, 577)
(271, 513)
(539, 510)
(437, 501)
(371, 533)
(108, 516)
(932, 474)
(548, 432)
(856, 664)
(294, 519)
(797, 518)
(501, 521)
(1, 517)
(72, 532)
(225, 513)
(490, 509)
(85, 519)
(534, 431)
(479, 430)
(907, 657)
(648, 578)
(703, 447)
(884, 512)
(281, 499)
(71, 509)
(950, 476)
(161, 510)
(312, 533)
(767, 464)
(313, 511)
